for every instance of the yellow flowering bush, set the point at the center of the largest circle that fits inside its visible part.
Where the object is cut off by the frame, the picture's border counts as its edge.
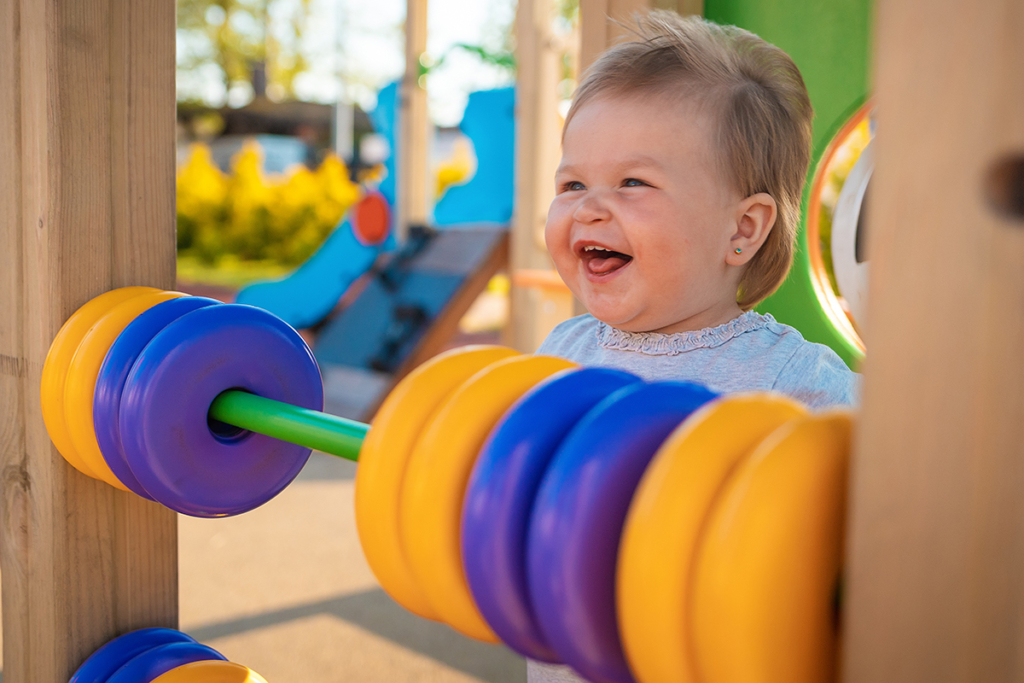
(250, 216)
(251, 225)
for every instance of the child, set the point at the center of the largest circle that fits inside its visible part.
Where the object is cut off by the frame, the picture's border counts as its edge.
(678, 198)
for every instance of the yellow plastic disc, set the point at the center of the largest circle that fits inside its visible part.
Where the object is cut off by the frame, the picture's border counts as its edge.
(58, 359)
(768, 567)
(384, 455)
(80, 384)
(436, 480)
(210, 671)
(666, 519)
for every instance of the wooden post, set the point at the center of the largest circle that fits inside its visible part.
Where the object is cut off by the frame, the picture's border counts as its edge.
(86, 205)
(412, 124)
(601, 25)
(538, 150)
(936, 554)
(602, 21)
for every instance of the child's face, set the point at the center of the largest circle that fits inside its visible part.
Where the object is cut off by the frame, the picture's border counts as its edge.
(639, 178)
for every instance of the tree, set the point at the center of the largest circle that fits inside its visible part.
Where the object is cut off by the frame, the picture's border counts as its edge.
(244, 39)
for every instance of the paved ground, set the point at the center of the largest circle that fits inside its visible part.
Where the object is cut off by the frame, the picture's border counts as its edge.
(285, 590)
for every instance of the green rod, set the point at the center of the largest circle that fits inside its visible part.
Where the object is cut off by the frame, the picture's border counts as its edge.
(309, 428)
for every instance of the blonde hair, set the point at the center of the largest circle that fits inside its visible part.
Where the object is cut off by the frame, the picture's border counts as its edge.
(755, 93)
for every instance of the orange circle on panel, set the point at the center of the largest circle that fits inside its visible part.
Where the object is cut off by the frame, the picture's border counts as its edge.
(80, 385)
(403, 417)
(763, 596)
(371, 220)
(210, 671)
(823, 290)
(58, 360)
(437, 476)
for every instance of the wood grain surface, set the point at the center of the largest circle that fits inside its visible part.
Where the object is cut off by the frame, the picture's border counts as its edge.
(936, 552)
(86, 204)
(538, 150)
(413, 125)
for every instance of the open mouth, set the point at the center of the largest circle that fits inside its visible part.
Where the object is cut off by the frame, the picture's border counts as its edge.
(602, 261)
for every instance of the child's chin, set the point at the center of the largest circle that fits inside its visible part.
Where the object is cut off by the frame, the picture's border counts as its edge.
(613, 316)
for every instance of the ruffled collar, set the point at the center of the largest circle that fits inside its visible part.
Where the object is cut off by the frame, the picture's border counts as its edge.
(658, 344)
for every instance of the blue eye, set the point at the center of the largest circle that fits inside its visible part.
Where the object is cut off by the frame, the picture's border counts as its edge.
(633, 182)
(573, 186)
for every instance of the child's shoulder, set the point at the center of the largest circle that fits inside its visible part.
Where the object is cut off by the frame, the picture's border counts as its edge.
(569, 335)
(752, 352)
(812, 372)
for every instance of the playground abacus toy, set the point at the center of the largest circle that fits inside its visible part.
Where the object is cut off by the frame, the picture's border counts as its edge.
(932, 563)
(580, 515)
(160, 655)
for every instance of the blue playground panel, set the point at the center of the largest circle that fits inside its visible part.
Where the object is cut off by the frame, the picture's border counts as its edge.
(383, 119)
(489, 123)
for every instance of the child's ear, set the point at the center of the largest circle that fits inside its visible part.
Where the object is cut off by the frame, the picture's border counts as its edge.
(755, 217)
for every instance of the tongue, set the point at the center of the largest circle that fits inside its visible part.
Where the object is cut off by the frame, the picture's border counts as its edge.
(600, 266)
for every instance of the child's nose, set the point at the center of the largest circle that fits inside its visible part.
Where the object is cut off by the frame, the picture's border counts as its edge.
(591, 209)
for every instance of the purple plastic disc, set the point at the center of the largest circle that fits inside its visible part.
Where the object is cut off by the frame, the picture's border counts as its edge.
(154, 663)
(501, 492)
(118, 363)
(578, 515)
(165, 431)
(102, 664)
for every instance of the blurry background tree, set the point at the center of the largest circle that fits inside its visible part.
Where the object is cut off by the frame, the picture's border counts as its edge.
(254, 44)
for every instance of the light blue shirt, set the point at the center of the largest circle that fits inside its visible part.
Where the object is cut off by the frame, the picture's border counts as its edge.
(751, 353)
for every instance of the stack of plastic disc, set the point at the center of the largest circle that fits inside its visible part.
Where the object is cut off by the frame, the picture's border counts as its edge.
(160, 655)
(127, 386)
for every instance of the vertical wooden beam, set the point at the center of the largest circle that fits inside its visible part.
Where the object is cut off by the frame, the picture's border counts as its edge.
(601, 25)
(936, 554)
(412, 123)
(86, 204)
(602, 21)
(683, 7)
(538, 150)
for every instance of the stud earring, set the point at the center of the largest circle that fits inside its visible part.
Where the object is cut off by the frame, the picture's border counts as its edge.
(738, 250)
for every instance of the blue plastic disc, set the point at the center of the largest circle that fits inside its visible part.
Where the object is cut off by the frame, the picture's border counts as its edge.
(501, 492)
(154, 663)
(578, 515)
(164, 420)
(119, 651)
(114, 372)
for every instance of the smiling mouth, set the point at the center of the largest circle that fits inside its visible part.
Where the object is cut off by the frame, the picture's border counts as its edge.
(600, 261)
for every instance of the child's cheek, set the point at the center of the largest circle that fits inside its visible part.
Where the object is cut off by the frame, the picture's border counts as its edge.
(556, 229)
(656, 231)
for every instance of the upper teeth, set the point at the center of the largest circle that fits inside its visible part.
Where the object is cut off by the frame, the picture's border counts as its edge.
(591, 247)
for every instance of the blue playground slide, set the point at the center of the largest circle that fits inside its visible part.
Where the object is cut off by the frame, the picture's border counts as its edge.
(306, 296)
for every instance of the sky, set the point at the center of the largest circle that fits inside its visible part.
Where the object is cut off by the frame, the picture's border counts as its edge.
(363, 40)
